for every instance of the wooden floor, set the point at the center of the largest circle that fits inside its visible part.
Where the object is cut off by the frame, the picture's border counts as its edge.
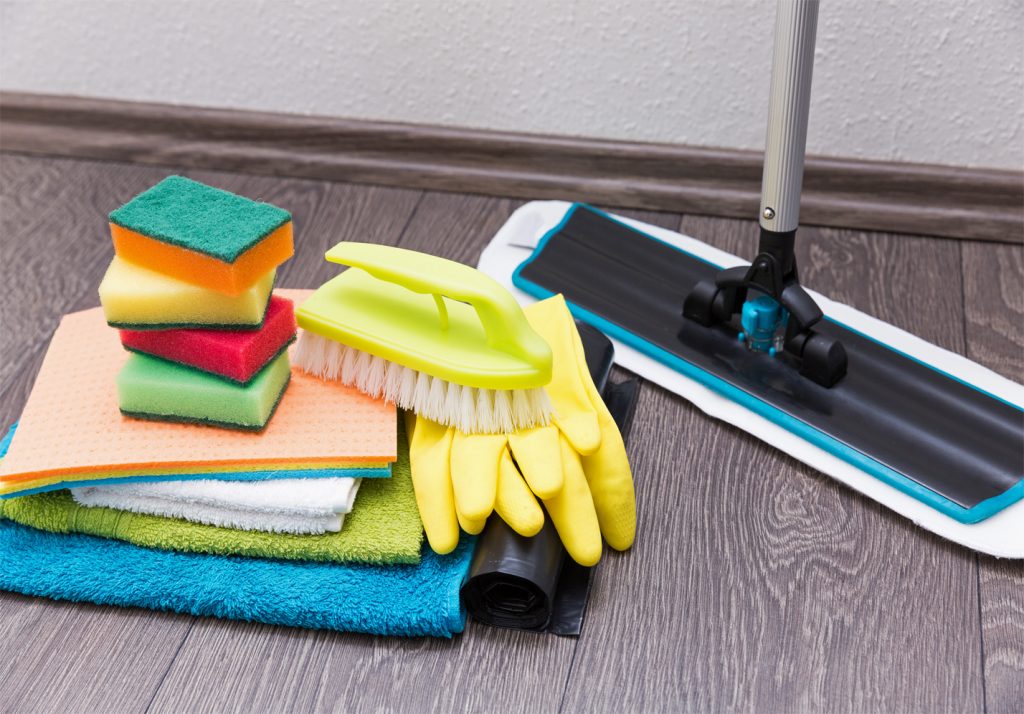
(755, 583)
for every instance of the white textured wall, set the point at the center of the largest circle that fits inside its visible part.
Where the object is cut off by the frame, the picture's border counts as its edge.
(938, 81)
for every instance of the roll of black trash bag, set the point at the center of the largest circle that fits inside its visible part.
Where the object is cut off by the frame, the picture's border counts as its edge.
(513, 581)
(532, 583)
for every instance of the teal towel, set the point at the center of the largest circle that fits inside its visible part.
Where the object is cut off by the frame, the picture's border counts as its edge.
(407, 600)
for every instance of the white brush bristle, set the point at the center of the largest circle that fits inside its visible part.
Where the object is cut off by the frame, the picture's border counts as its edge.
(502, 410)
(436, 399)
(348, 365)
(468, 409)
(453, 401)
(467, 405)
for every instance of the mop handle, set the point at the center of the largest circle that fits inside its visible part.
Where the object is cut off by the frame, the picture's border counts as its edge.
(796, 22)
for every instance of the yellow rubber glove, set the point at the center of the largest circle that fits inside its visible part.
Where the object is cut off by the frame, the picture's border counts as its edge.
(577, 465)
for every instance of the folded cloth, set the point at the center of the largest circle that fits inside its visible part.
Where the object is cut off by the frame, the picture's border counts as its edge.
(72, 430)
(384, 526)
(282, 506)
(161, 475)
(239, 519)
(414, 600)
(231, 474)
(310, 497)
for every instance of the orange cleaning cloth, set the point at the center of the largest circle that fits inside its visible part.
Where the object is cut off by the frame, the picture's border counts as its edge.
(72, 430)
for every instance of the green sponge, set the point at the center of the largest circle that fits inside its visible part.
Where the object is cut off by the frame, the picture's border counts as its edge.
(200, 218)
(151, 388)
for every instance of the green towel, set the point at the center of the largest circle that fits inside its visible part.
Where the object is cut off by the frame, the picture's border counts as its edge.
(383, 528)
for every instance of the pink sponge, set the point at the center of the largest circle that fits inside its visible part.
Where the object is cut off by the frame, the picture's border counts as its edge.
(237, 356)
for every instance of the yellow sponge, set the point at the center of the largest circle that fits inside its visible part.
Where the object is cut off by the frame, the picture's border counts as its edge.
(137, 298)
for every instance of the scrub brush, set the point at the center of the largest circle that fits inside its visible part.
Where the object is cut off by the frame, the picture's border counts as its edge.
(433, 336)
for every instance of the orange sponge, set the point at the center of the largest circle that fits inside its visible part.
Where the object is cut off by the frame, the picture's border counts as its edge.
(198, 269)
(202, 235)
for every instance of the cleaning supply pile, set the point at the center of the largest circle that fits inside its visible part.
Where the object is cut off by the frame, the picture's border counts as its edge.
(178, 461)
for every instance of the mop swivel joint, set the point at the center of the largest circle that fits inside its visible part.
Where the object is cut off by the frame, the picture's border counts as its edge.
(761, 318)
(782, 302)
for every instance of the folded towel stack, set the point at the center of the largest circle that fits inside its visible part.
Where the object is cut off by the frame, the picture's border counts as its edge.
(374, 575)
(190, 287)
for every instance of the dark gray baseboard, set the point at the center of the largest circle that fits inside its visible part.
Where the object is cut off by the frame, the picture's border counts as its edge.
(979, 204)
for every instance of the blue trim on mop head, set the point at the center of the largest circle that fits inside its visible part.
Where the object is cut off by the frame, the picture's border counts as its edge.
(405, 600)
(861, 461)
(376, 472)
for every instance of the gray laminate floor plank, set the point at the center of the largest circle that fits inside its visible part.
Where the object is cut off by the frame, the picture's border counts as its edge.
(994, 304)
(55, 246)
(73, 657)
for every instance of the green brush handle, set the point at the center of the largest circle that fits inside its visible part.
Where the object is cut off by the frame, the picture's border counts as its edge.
(501, 316)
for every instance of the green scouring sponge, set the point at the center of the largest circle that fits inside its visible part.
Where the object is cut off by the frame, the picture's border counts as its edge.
(202, 235)
(151, 388)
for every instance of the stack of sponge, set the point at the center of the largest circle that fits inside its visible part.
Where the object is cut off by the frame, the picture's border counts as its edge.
(190, 288)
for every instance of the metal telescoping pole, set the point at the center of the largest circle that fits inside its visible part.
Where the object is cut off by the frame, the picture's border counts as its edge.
(796, 24)
(784, 315)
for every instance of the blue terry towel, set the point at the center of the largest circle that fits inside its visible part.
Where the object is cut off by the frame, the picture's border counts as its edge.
(411, 600)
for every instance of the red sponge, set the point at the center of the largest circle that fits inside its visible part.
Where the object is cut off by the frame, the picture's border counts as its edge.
(238, 356)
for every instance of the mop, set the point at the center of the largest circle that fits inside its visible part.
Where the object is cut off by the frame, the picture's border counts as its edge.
(927, 433)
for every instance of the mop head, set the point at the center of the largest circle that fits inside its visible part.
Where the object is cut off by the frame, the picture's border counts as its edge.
(234, 355)
(202, 235)
(435, 337)
(134, 297)
(927, 401)
(468, 409)
(149, 388)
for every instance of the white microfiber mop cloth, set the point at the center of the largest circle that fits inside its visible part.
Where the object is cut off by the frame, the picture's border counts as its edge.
(301, 506)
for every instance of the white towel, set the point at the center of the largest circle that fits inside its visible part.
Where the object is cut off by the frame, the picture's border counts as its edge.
(302, 506)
